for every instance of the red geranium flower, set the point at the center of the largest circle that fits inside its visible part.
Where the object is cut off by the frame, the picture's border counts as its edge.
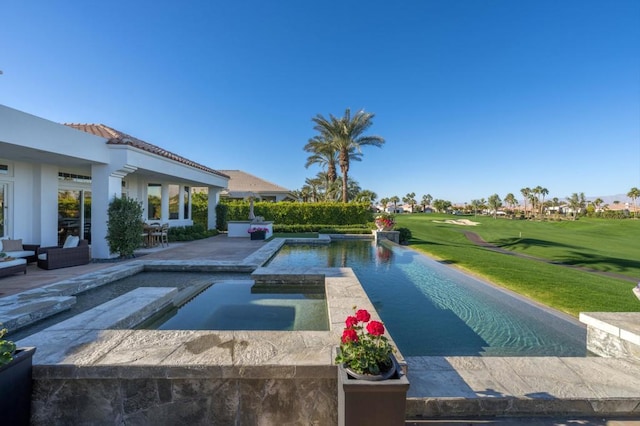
(351, 321)
(364, 348)
(363, 315)
(349, 335)
(375, 328)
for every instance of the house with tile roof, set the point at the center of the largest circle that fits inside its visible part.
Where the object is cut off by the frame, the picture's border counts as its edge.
(243, 185)
(58, 179)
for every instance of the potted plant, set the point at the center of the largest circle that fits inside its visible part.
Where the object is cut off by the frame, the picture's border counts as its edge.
(15, 382)
(372, 388)
(257, 233)
(385, 222)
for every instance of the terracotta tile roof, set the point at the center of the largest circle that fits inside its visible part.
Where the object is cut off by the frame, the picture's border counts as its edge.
(240, 181)
(116, 137)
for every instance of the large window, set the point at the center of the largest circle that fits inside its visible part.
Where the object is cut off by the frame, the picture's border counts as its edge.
(174, 202)
(154, 201)
(74, 214)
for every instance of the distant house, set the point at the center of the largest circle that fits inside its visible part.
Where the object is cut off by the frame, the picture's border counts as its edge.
(242, 185)
(58, 180)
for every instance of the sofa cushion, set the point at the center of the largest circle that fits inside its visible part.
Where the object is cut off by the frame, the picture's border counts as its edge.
(14, 262)
(42, 256)
(71, 241)
(11, 245)
(21, 253)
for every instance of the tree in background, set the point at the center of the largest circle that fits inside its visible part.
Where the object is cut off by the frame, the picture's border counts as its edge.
(511, 201)
(634, 194)
(526, 194)
(426, 201)
(410, 199)
(494, 202)
(577, 202)
(395, 200)
(346, 135)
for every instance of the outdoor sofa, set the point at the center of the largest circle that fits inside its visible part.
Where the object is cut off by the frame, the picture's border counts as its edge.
(72, 253)
(15, 248)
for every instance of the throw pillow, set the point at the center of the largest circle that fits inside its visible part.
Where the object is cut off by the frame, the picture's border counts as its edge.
(71, 241)
(11, 245)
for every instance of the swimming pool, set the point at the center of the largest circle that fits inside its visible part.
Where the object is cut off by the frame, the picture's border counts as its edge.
(432, 309)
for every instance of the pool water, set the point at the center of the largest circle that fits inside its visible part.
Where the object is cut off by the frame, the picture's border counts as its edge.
(239, 305)
(432, 309)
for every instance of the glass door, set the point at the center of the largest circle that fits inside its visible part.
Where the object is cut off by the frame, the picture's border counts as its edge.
(74, 214)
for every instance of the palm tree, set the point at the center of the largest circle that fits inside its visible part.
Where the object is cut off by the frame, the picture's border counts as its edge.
(494, 203)
(395, 199)
(410, 199)
(367, 196)
(511, 201)
(577, 202)
(323, 154)
(543, 192)
(345, 134)
(426, 200)
(384, 202)
(634, 194)
(526, 193)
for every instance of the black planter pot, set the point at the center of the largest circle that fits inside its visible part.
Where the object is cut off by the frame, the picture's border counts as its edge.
(258, 235)
(372, 403)
(15, 388)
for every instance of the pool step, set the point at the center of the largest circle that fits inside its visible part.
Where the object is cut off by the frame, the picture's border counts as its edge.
(18, 312)
(122, 312)
(520, 386)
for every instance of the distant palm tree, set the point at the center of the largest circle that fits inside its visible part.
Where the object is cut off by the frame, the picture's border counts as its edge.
(410, 199)
(384, 202)
(634, 194)
(395, 200)
(426, 201)
(526, 193)
(510, 199)
(346, 135)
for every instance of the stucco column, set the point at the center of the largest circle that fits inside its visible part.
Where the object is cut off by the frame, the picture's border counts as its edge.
(45, 213)
(212, 202)
(106, 184)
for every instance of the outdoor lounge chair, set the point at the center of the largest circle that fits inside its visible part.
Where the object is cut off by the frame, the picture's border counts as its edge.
(63, 257)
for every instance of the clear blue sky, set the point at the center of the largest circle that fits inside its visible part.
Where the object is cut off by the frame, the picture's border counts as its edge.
(473, 97)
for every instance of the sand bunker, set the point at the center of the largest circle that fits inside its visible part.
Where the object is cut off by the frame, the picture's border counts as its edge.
(463, 222)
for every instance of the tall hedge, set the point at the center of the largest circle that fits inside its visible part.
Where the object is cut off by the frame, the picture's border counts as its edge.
(288, 213)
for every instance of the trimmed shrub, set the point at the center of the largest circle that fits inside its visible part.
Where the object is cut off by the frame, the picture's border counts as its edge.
(287, 213)
(405, 235)
(124, 226)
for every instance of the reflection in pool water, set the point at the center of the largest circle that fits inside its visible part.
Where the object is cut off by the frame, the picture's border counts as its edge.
(432, 309)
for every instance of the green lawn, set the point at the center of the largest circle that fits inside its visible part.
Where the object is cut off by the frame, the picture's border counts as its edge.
(604, 245)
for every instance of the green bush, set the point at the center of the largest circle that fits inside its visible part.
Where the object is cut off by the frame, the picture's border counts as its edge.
(322, 228)
(190, 233)
(287, 213)
(405, 235)
(124, 226)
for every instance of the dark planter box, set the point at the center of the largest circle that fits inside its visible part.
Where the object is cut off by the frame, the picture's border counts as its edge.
(258, 235)
(15, 388)
(364, 402)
